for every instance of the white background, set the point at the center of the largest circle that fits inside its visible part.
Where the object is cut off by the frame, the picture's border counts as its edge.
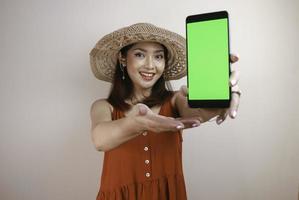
(47, 87)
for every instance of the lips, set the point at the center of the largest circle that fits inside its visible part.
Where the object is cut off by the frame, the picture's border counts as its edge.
(147, 76)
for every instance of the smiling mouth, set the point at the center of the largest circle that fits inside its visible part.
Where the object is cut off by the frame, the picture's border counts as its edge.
(147, 76)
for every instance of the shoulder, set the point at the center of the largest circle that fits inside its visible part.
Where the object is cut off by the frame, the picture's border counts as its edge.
(100, 110)
(101, 104)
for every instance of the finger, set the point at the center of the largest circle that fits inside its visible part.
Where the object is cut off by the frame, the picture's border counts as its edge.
(222, 116)
(143, 109)
(235, 88)
(234, 78)
(170, 117)
(189, 122)
(233, 58)
(213, 118)
(184, 90)
(172, 124)
(166, 123)
(175, 124)
(234, 105)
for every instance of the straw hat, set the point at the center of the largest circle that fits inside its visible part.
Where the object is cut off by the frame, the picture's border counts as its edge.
(103, 57)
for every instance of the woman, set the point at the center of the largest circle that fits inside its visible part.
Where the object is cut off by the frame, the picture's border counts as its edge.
(139, 126)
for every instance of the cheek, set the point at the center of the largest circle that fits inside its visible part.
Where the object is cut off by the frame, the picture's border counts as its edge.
(131, 71)
(134, 63)
(160, 67)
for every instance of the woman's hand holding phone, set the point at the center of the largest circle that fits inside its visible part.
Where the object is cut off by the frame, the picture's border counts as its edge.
(209, 114)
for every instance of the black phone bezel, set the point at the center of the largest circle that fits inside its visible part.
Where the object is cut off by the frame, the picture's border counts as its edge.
(212, 103)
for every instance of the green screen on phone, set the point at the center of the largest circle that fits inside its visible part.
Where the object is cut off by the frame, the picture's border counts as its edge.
(208, 60)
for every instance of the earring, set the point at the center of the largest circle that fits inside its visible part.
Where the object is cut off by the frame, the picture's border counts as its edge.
(122, 69)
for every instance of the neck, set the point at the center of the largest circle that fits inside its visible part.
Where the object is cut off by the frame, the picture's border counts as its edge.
(140, 95)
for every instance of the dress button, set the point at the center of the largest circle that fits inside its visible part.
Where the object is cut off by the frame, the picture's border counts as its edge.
(147, 174)
(146, 161)
(144, 133)
(145, 148)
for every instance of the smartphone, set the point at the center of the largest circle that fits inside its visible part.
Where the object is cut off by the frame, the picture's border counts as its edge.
(208, 60)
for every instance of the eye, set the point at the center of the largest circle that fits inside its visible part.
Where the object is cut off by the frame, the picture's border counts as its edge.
(160, 56)
(139, 55)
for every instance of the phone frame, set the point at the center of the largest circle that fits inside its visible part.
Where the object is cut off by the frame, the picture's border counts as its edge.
(211, 103)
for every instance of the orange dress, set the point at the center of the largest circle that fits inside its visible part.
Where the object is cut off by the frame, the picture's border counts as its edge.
(147, 167)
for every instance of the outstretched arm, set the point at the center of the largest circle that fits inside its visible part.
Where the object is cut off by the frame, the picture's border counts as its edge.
(108, 134)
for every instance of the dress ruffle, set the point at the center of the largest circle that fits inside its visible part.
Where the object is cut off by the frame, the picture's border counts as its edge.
(171, 187)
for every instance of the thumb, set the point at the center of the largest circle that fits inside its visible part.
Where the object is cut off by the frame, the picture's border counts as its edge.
(143, 109)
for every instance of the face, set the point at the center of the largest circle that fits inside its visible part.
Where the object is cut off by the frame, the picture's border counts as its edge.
(145, 64)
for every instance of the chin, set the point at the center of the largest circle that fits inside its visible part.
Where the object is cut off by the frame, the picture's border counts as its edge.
(147, 85)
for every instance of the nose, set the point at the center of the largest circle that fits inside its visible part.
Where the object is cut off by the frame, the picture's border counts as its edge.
(150, 63)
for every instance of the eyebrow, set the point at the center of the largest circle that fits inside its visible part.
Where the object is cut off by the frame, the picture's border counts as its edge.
(160, 50)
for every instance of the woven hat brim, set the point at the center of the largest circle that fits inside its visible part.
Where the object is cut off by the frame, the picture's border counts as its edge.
(103, 57)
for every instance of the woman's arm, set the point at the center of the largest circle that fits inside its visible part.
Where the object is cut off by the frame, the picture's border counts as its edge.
(108, 134)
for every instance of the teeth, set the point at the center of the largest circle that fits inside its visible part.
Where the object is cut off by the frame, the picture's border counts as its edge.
(146, 74)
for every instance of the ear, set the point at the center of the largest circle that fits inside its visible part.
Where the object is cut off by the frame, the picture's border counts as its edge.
(122, 60)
